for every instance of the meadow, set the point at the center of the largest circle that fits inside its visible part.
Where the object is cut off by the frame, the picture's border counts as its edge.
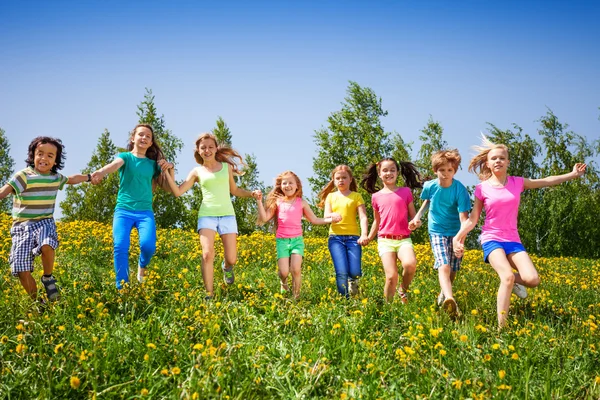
(161, 339)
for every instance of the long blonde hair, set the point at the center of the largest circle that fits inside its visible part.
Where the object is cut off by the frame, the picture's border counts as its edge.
(224, 154)
(478, 164)
(331, 184)
(276, 194)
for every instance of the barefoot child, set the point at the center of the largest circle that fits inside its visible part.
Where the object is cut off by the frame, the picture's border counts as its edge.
(34, 231)
(449, 205)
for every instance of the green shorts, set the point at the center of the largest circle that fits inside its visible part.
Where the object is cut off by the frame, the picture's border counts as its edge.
(288, 246)
(391, 245)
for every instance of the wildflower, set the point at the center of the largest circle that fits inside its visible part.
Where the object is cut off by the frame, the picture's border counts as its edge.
(474, 312)
(501, 374)
(151, 346)
(495, 346)
(175, 370)
(457, 384)
(504, 387)
(75, 382)
(463, 338)
(164, 372)
(4, 339)
(21, 348)
(146, 357)
(442, 352)
(487, 357)
(61, 328)
(58, 347)
(515, 356)
(144, 392)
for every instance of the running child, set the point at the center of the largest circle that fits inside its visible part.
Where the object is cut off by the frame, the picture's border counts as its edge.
(285, 206)
(33, 231)
(499, 194)
(392, 208)
(215, 176)
(449, 205)
(345, 239)
(140, 169)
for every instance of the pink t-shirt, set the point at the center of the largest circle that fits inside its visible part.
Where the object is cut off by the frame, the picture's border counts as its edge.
(393, 211)
(501, 205)
(289, 218)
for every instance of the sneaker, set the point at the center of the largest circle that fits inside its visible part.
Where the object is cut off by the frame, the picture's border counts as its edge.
(227, 274)
(140, 277)
(208, 298)
(51, 288)
(440, 299)
(353, 287)
(403, 295)
(283, 290)
(451, 308)
(519, 290)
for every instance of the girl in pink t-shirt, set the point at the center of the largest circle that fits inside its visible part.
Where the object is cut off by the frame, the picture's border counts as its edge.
(499, 195)
(286, 207)
(392, 209)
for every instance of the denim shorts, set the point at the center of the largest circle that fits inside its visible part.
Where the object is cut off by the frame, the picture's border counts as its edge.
(508, 247)
(222, 225)
(288, 246)
(391, 245)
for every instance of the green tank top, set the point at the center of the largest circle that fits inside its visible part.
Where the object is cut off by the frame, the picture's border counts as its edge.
(216, 198)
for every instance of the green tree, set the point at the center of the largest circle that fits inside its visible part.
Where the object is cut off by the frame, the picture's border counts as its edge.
(6, 169)
(89, 202)
(168, 211)
(432, 140)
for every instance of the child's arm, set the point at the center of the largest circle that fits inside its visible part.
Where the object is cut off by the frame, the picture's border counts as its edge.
(375, 225)
(238, 191)
(166, 168)
(6, 190)
(466, 226)
(578, 170)
(313, 219)
(416, 221)
(411, 211)
(107, 169)
(79, 178)
(185, 185)
(363, 240)
(263, 215)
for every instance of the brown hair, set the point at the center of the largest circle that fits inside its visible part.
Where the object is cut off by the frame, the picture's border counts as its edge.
(331, 184)
(442, 157)
(277, 193)
(408, 170)
(224, 153)
(154, 152)
(478, 163)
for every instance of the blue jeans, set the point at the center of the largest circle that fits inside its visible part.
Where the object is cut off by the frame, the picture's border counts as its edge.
(123, 223)
(346, 254)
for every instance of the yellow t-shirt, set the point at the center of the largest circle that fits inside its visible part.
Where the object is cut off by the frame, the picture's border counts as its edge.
(347, 207)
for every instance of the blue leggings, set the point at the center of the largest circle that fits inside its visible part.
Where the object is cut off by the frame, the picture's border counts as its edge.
(123, 223)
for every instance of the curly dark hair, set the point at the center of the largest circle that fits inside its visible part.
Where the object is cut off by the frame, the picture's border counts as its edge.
(60, 152)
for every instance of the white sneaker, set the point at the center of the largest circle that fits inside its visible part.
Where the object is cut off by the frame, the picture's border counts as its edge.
(140, 277)
(440, 299)
(519, 290)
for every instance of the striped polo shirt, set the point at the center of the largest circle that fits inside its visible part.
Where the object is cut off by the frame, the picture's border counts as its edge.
(35, 194)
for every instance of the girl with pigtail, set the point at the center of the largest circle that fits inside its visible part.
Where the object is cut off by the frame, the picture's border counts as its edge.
(215, 174)
(345, 239)
(286, 207)
(393, 207)
(499, 195)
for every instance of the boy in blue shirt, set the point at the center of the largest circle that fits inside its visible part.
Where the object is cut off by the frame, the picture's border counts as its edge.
(449, 205)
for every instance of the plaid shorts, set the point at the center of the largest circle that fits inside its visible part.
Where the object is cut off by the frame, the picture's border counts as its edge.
(27, 241)
(443, 253)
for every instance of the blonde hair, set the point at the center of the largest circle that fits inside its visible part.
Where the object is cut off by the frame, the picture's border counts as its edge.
(331, 184)
(442, 157)
(478, 163)
(277, 193)
(224, 154)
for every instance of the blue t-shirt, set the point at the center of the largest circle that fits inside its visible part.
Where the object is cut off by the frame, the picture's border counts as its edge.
(445, 206)
(135, 182)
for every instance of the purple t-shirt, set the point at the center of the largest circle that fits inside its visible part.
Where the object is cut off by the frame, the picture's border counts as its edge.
(501, 205)
(393, 211)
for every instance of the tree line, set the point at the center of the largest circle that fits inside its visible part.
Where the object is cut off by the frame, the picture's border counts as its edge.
(561, 220)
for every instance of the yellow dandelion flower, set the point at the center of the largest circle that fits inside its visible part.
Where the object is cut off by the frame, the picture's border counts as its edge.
(144, 392)
(75, 382)
(457, 384)
(164, 372)
(487, 357)
(501, 374)
(175, 370)
(58, 347)
(463, 338)
(21, 348)
(442, 352)
(151, 346)
(4, 339)
(146, 357)
(495, 346)
(474, 312)
(515, 356)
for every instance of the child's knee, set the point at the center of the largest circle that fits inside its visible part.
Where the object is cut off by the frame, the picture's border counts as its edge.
(47, 250)
(508, 280)
(208, 256)
(231, 260)
(148, 248)
(410, 267)
(531, 280)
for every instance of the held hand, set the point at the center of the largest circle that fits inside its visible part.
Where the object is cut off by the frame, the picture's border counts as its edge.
(257, 194)
(459, 248)
(579, 169)
(335, 217)
(363, 240)
(414, 224)
(165, 165)
(96, 178)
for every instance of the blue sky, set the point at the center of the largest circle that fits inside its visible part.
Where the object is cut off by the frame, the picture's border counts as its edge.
(275, 70)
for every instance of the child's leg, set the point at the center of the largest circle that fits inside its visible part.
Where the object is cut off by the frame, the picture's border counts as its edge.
(444, 276)
(207, 242)
(230, 249)
(339, 256)
(122, 225)
(295, 269)
(528, 275)
(146, 227)
(390, 268)
(28, 284)
(407, 257)
(498, 261)
(48, 259)
(283, 268)
(354, 251)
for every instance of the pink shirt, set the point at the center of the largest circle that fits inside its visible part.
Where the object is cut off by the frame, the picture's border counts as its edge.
(501, 205)
(393, 211)
(289, 218)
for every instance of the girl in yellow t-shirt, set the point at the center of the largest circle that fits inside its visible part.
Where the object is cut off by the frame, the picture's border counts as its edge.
(345, 238)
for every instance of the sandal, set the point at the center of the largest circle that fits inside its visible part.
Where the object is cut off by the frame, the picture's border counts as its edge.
(51, 288)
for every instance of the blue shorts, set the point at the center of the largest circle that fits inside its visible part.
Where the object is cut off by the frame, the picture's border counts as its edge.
(221, 225)
(508, 247)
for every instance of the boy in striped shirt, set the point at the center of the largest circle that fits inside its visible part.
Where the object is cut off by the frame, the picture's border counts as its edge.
(33, 231)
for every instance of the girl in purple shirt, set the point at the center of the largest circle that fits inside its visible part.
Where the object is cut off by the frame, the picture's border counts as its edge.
(499, 195)
(392, 209)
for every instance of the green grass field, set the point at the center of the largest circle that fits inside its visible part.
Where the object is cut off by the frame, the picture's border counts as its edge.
(162, 340)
